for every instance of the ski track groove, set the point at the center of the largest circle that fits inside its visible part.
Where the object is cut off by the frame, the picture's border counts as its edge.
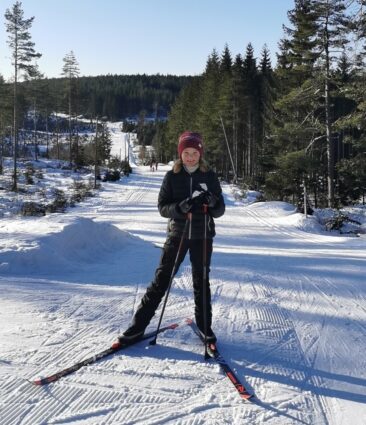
(73, 341)
(278, 316)
(24, 395)
(137, 395)
(324, 409)
(274, 325)
(350, 300)
(335, 305)
(281, 229)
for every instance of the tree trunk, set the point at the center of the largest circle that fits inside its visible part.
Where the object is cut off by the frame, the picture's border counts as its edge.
(15, 130)
(35, 131)
(70, 135)
(47, 135)
(328, 127)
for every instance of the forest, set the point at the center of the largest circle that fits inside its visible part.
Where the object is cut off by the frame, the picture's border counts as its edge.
(297, 126)
(285, 128)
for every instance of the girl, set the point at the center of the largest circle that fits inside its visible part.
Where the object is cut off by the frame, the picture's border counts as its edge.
(188, 192)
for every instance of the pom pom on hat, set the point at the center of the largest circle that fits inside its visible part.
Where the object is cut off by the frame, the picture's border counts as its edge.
(189, 139)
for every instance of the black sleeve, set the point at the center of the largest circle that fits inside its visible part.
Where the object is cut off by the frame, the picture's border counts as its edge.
(219, 209)
(167, 207)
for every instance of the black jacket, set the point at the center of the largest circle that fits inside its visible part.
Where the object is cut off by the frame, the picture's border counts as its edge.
(179, 185)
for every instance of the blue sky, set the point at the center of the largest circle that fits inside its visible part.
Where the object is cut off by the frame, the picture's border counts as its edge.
(145, 36)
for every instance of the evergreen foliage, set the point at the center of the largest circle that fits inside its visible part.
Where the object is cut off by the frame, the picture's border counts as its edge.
(278, 129)
(230, 105)
(121, 96)
(302, 123)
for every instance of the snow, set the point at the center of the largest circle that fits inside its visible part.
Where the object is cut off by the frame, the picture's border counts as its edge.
(289, 307)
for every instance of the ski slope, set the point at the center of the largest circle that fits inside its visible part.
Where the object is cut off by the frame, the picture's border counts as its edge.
(289, 311)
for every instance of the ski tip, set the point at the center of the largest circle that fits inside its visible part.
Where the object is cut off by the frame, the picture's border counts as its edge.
(189, 321)
(173, 325)
(45, 381)
(246, 396)
(116, 345)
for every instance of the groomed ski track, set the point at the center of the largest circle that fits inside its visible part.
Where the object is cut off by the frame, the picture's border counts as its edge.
(289, 312)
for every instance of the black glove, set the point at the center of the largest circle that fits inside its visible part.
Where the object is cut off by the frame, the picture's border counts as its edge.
(186, 205)
(205, 198)
(211, 199)
(199, 198)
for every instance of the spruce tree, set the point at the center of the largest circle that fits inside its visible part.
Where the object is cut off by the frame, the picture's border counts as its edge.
(332, 35)
(208, 119)
(238, 106)
(251, 133)
(183, 115)
(352, 124)
(266, 112)
(295, 122)
(301, 45)
(226, 109)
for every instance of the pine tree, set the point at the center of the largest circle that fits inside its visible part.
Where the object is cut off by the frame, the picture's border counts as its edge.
(34, 95)
(46, 105)
(70, 71)
(23, 54)
(5, 117)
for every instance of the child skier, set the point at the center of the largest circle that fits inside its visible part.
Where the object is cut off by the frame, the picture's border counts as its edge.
(188, 192)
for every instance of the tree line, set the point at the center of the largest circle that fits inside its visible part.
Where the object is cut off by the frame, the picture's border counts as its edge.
(293, 128)
(298, 126)
(31, 101)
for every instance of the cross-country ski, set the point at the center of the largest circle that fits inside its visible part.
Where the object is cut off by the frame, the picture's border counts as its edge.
(115, 348)
(214, 353)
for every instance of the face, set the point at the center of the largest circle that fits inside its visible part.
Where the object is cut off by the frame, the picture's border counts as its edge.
(190, 157)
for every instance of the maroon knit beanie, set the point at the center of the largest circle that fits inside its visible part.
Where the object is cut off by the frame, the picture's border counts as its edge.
(189, 139)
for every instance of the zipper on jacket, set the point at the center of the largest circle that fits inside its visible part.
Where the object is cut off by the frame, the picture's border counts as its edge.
(190, 221)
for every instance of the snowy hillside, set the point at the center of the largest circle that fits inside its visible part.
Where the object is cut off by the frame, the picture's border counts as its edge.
(289, 311)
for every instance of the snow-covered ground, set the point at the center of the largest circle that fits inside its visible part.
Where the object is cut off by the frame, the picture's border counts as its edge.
(289, 310)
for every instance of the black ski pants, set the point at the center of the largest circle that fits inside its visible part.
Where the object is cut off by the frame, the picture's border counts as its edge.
(157, 289)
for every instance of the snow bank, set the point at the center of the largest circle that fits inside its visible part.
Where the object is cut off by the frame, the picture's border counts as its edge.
(79, 244)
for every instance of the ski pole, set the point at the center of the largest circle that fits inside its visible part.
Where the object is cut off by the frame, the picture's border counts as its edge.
(174, 270)
(204, 279)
